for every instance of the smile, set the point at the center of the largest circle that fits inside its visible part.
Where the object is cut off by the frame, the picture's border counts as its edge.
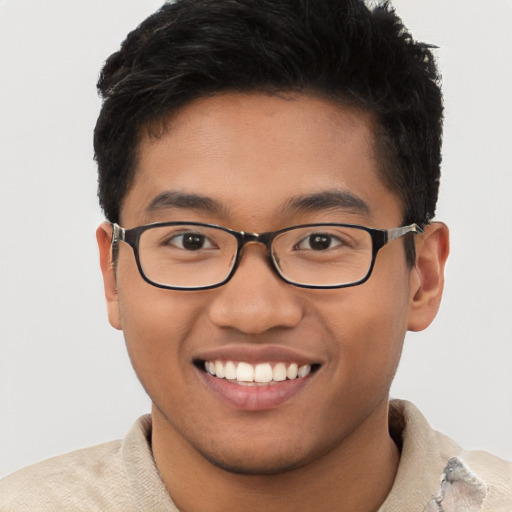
(259, 374)
(256, 378)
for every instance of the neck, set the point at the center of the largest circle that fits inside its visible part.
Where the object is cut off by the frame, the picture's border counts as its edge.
(357, 475)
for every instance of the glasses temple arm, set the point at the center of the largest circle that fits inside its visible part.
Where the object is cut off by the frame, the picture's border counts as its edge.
(403, 230)
(117, 233)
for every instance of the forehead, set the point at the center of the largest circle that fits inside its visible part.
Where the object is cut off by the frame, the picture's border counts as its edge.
(252, 154)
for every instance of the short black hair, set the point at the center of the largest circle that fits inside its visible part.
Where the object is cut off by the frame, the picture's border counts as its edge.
(341, 50)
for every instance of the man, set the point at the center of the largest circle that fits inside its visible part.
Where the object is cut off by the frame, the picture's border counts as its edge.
(269, 171)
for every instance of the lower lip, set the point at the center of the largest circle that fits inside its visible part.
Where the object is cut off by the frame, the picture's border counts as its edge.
(254, 397)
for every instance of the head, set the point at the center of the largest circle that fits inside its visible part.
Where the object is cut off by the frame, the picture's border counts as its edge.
(334, 49)
(254, 115)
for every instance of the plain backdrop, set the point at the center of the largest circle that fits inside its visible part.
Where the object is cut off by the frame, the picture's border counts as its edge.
(65, 379)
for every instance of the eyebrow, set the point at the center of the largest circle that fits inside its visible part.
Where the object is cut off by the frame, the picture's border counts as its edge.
(174, 199)
(329, 199)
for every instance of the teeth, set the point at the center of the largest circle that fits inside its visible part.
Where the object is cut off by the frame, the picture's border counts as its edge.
(303, 371)
(291, 372)
(261, 373)
(219, 369)
(245, 372)
(279, 373)
(230, 370)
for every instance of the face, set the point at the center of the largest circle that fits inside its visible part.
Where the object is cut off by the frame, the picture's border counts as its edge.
(253, 156)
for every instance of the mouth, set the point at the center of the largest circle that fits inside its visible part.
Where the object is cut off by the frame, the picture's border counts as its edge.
(261, 374)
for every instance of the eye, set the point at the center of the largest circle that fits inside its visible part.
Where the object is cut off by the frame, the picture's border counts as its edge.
(191, 241)
(319, 242)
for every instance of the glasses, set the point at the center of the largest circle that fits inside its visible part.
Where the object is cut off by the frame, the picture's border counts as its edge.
(197, 256)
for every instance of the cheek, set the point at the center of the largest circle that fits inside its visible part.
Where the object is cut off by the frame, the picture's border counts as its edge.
(152, 323)
(150, 315)
(154, 333)
(155, 323)
(369, 325)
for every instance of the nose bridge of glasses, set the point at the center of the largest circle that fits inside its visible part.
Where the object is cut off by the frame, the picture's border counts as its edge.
(265, 239)
(255, 238)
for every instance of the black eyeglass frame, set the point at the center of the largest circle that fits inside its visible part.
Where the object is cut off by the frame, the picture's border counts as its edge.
(380, 237)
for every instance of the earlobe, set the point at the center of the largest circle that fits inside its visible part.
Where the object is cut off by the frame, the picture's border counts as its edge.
(427, 278)
(104, 237)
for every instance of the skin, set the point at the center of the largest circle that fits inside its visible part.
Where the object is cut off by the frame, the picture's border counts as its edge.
(327, 447)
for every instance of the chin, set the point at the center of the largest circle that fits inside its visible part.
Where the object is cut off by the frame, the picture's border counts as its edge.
(252, 467)
(270, 458)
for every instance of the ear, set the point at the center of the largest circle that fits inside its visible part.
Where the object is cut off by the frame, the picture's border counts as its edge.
(427, 277)
(104, 238)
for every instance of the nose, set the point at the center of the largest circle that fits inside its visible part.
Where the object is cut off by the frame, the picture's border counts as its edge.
(256, 300)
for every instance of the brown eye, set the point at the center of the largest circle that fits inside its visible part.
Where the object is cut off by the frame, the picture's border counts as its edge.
(193, 242)
(190, 241)
(318, 242)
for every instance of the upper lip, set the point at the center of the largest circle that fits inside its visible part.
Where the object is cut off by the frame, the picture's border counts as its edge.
(255, 354)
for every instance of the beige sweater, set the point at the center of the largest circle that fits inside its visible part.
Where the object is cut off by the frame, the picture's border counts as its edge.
(122, 476)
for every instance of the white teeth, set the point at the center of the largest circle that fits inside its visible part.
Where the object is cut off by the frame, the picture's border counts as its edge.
(279, 373)
(230, 370)
(245, 372)
(303, 371)
(261, 373)
(219, 369)
(291, 372)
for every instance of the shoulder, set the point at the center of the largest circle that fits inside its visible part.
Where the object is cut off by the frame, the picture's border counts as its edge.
(74, 481)
(481, 469)
(428, 457)
(120, 476)
(109, 476)
(474, 470)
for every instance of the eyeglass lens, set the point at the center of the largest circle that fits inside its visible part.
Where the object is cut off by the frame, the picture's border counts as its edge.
(197, 256)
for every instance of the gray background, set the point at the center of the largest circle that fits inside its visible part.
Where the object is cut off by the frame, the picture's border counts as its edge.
(65, 380)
